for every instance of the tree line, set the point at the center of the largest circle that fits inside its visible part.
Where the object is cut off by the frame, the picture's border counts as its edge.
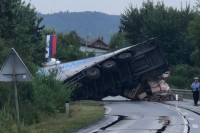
(177, 30)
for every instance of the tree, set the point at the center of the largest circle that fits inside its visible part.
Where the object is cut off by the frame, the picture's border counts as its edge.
(20, 28)
(195, 57)
(49, 31)
(131, 23)
(118, 41)
(198, 4)
(194, 36)
(194, 31)
(3, 52)
(68, 47)
(166, 23)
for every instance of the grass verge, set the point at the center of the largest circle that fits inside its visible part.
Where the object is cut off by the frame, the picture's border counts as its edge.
(81, 114)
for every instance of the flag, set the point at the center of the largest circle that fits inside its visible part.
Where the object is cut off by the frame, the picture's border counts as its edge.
(50, 46)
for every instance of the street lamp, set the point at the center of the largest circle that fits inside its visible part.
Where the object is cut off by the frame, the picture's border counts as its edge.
(87, 42)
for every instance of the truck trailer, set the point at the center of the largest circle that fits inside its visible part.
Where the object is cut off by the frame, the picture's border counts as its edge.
(123, 72)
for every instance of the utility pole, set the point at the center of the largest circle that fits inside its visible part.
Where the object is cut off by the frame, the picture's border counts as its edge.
(87, 39)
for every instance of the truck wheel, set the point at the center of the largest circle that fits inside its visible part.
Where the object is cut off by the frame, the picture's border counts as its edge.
(93, 73)
(109, 65)
(124, 57)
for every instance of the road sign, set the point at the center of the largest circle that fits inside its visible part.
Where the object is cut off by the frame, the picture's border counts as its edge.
(14, 66)
(15, 70)
(166, 74)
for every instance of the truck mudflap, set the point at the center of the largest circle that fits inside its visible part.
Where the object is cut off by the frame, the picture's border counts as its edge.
(125, 73)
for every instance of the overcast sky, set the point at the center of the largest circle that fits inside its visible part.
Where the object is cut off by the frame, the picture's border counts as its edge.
(114, 7)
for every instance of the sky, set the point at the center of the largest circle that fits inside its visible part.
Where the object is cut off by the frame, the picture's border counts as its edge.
(112, 7)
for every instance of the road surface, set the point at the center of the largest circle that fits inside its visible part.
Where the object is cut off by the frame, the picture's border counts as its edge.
(144, 117)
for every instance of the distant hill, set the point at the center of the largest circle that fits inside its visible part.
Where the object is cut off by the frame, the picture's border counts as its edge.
(96, 23)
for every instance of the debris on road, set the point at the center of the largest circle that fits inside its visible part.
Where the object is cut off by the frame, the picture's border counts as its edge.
(153, 89)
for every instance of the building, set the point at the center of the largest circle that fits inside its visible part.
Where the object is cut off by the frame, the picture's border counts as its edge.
(98, 46)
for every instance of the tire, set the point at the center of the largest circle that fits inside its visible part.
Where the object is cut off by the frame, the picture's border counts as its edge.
(109, 65)
(125, 57)
(93, 73)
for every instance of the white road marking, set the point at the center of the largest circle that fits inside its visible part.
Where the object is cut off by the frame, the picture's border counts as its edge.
(178, 110)
(108, 109)
(191, 119)
(195, 126)
(184, 113)
(185, 129)
(185, 121)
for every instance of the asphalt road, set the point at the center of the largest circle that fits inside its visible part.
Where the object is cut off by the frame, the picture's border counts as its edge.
(144, 117)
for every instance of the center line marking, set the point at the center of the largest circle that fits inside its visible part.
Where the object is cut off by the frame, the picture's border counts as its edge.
(195, 126)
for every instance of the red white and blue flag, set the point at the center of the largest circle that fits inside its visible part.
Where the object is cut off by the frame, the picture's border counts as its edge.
(50, 46)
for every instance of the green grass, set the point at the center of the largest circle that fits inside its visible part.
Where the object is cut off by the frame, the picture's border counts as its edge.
(81, 114)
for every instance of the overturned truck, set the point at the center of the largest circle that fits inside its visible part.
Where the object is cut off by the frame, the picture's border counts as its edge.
(123, 72)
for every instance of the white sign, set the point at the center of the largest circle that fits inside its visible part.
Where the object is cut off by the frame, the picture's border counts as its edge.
(166, 75)
(14, 66)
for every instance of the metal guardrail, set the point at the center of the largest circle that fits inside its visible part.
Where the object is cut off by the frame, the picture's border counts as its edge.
(182, 90)
(185, 93)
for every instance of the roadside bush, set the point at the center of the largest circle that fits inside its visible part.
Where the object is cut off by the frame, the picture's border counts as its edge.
(7, 124)
(29, 113)
(8, 121)
(6, 92)
(42, 97)
(178, 81)
(49, 94)
(182, 76)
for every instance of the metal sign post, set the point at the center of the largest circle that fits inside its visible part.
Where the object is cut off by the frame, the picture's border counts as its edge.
(14, 70)
(15, 90)
(16, 104)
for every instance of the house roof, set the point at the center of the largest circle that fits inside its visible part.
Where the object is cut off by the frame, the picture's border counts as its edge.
(98, 43)
(91, 46)
(97, 39)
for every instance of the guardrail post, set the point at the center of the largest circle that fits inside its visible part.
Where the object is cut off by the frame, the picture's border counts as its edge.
(67, 108)
(176, 97)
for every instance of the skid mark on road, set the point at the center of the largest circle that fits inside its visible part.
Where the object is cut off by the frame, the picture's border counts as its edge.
(119, 119)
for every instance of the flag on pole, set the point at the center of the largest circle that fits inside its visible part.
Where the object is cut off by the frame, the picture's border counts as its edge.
(50, 46)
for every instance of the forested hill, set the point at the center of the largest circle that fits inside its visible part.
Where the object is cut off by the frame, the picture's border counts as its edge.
(94, 23)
